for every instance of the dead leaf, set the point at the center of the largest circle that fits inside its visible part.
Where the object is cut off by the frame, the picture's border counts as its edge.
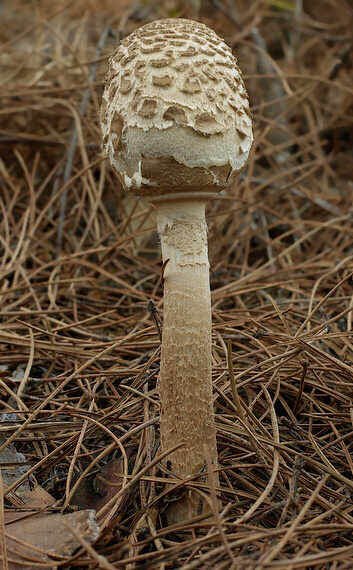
(38, 498)
(39, 537)
(93, 492)
(12, 468)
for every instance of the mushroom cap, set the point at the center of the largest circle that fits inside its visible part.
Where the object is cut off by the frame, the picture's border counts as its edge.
(175, 116)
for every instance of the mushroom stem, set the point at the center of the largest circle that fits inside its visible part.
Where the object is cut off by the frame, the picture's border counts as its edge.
(176, 125)
(185, 382)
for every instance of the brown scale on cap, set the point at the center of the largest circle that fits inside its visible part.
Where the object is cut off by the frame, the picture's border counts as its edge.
(179, 82)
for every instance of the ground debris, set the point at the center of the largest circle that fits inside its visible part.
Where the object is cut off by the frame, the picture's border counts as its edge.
(45, 537)
(79, 349)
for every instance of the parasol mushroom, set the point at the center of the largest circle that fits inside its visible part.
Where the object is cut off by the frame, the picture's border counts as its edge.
(176, 125)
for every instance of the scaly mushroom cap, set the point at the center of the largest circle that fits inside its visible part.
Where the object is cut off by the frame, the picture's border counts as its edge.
(175, 115)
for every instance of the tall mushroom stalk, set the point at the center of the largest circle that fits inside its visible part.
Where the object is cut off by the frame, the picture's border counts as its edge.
(185, 376)
(176, 125)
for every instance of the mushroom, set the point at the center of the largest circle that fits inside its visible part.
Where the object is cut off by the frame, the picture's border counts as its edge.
(176, 125)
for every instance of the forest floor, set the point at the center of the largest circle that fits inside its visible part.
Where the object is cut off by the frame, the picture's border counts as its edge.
(80, 261)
